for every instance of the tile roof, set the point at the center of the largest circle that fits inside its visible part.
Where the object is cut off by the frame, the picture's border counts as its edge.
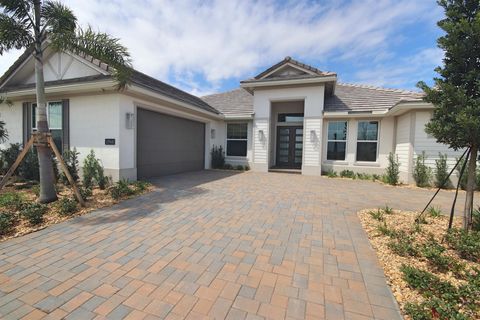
(347, 97)
(316, 71)
(352, 97)
(237, 102)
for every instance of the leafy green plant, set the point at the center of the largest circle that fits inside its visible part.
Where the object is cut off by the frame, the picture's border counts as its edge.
(385, 230)
(227, 166)
(418, 311)
(121, 189)
(422, 174)
(377, 215)
(434, 253)
(476, 220)
(86, 193)
(218, 157)
(9, 155)
(33, 212)
(93, 172)
(240, 168)
(467, 244)
(140, 186)
(247, 167)
(441, 173)
(376, 177)
(12, 200)
(364, 176)
(392, 172)
(66, 206)
(434, 212)
(36, 190)
(71, 161)
(403, 245)
(6, 222)
(347, 174)
(332, 174)
(29, 168)
(388, 210)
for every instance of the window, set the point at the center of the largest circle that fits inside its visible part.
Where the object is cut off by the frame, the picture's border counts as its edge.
(367, 141)
(337, 140)
(237, 139)
(54, 116)
(290, 117)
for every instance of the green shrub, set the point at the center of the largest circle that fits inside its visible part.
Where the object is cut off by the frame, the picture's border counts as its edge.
(388, 210)
(467, 244)
(227, 166)
(441, 173)
(377, 215)
(33, 212)
(383, 229)
(247, 167)
(140, 186)
(70, 158)
(476, 220)
(9, 155)
(364, 176)
(332, 174)
(392, 173)
(93, 172)
(218, 157)
(422, 174)
(29, 169)
(347, 174)
(66, 206)
(6, 222)
(86, 193)
(376, 177)
(12, 200)
(434, 212)
(239, 167)
(434, 252)
(36, 190)
(418, 311)
(121, 189)
(403, 245)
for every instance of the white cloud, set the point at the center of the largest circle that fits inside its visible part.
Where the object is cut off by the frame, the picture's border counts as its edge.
(198, 44)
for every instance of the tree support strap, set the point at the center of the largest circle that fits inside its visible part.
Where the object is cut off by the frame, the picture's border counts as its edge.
(43, 140)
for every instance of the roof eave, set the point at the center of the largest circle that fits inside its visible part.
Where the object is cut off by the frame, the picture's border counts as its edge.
(249, 84)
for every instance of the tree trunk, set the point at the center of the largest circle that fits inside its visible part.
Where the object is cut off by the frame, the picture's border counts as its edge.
(471, 186)
(47, 175)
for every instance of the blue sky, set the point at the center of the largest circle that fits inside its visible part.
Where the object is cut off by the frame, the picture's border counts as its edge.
(209, 46)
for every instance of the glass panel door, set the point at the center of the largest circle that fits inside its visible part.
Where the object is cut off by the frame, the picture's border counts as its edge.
(283, 149)
(289, 147)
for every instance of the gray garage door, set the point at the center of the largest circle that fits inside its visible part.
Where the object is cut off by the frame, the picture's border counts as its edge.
(168, 145)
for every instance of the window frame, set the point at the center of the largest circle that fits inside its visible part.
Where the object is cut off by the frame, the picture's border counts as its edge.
(377, 141)
(346, 141)
(34, 123)
(236, 139)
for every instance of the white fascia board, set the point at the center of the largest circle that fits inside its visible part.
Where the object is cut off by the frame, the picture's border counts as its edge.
(406, 106)
(345, 114)
(150, 93)
(238, 117)
(287, 82)
(288, 64)
(74, 87)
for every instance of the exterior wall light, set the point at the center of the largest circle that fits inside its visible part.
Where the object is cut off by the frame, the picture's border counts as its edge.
(212, 133)
(129, 120)
(313, 136)
(261, 135)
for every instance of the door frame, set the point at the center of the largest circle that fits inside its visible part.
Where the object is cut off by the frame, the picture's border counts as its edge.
(291, 148)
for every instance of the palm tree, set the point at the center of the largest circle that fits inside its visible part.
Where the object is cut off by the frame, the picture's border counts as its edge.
(35, 25)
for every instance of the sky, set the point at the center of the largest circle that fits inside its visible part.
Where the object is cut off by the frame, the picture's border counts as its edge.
(206, 46)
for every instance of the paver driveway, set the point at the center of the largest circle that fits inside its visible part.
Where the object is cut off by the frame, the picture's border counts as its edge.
(210, 245)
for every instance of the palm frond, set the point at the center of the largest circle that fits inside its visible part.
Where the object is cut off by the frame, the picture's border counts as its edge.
(3, 132)
(14, 34)
(19, 9)
(58, 18)
(101, 46)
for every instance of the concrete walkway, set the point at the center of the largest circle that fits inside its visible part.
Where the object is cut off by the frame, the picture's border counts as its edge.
(211, 245)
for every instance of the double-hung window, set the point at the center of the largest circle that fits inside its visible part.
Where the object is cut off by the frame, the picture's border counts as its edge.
(337, 140)
(54, 116)
(237, 139)
(367, 141)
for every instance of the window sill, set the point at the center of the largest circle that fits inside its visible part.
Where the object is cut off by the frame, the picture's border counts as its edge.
(336, 162)
(367, 164)
(236, 157)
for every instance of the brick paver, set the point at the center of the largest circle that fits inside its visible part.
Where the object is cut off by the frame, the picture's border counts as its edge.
(211, 245)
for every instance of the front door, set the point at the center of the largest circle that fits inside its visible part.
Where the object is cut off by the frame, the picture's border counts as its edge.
(289, 147)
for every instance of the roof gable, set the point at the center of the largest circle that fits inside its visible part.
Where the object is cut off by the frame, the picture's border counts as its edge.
(58, 66)
(290, 68)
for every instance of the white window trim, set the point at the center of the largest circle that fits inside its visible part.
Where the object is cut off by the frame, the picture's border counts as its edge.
(228, 139)
(34, 125)
(346, 142)
(377, 141)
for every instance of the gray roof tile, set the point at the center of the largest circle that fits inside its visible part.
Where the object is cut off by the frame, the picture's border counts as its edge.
(237, 102)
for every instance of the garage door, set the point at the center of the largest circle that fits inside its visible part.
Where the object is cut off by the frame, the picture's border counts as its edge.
(168, 145)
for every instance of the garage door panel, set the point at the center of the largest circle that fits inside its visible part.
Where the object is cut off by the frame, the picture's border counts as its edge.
(168, 144)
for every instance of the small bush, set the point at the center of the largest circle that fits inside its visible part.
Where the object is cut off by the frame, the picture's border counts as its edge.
(434, 212)
(29, 169)
(33, 212)
(332, 174)
(227, 166)
(247, 167)
(36, 190)
(347, 174)
(364, 176)
(218, 157)
(71, 161)
(441, 173)
(12, 200)
(467, 244)
(93, 172)
(434, 252)
(422, 174)
(121, 189)
(377, 215)
(392, 173)
(476, 220)
(388, 210)
(66, 206)
(6, 222)
(239, 167)
(403, 246)
(426, 282)
(140, 186)
(376, 177)
(86, 193)
(383, 229)
(418, 311)
(9, 155)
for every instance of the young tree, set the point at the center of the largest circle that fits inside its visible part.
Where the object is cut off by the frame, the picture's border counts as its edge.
(35, 25)
(456, 94)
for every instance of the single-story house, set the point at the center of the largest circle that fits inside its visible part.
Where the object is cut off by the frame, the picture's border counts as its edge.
(291, 116)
